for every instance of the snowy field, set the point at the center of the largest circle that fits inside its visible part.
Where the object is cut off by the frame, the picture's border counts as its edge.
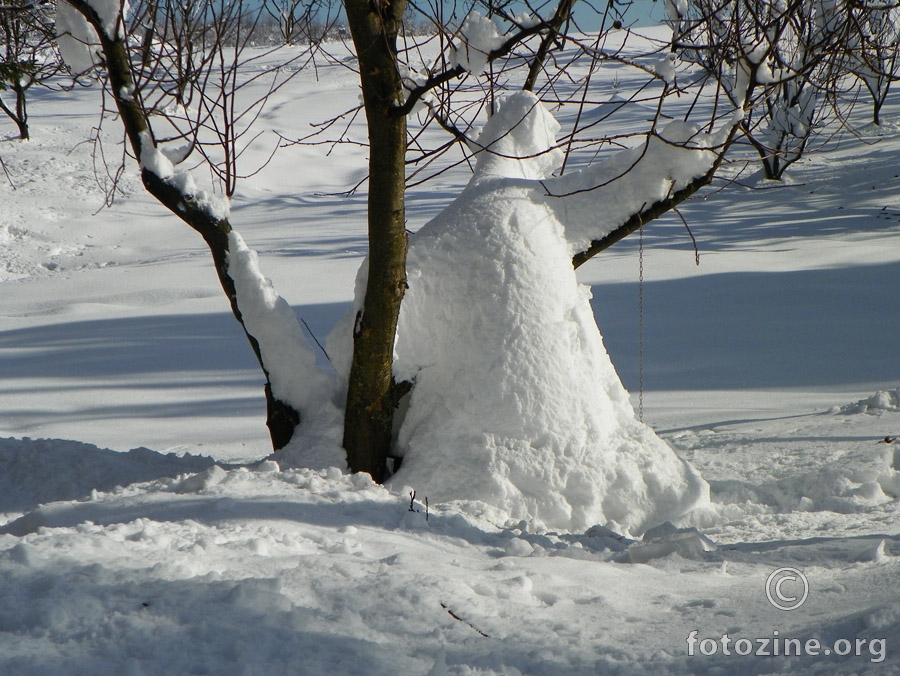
(143, 531)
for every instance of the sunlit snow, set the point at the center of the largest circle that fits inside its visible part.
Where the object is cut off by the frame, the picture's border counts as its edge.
(771, 368)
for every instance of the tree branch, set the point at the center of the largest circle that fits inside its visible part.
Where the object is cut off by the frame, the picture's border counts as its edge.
(282, 418)
(644, 216)
(441, 78)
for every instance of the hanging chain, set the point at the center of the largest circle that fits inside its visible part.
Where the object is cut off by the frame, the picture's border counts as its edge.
(641, 322)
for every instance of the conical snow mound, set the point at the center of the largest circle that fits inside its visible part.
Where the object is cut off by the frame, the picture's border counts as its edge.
(516, 407)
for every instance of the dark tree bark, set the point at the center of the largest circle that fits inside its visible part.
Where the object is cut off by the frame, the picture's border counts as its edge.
(374, 26)
(562, 14)
(20, 114)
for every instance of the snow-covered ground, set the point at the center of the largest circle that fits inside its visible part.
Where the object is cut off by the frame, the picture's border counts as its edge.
(772, 367)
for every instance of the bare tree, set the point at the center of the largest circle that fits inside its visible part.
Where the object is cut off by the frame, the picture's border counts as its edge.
(28, 56)
(175, 40)
(409, 89)
(191, 58)
(797, 47)
(138, 92)
(874, 49)
(297, 20)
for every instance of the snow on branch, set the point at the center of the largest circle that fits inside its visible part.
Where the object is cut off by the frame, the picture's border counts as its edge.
(479, 36)
(634, 186)
(154, 160)
(604, 202)
(286, 355)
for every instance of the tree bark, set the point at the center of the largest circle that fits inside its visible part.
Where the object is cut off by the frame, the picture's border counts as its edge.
(20, 114)
(374, 26)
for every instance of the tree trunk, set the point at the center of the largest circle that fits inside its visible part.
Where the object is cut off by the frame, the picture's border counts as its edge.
(281, 417)
(17, 115)
(374, 26)
(560, 16)
(21, 112)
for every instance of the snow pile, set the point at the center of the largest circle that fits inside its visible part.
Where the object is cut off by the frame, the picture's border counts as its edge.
(258, 570)
(69, 470)
(881, 401)
(520, 143)
(666, 539)
(479, 36)
(516, 408)
(841, 489)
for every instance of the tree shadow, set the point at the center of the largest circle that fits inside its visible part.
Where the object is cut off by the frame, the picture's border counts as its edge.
(38, 471)
(822, 199)
(143, 623)
(745, 330)
(187, 350)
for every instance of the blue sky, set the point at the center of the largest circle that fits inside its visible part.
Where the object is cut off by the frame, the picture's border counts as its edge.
(646, 12)
(638, 13)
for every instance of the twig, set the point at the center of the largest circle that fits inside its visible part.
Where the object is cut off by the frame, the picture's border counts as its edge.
(316, 340)
(690, 234)
(6, 171)
(466, 622)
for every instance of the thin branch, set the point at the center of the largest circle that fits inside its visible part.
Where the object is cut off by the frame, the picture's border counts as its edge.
(643, 216)
(439, 79)
(465, 622)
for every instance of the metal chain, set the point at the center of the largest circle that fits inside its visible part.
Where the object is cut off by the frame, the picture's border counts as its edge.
(641, 323)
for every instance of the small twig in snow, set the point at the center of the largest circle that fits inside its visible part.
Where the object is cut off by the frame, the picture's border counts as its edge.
(6, 171)
(459, 619)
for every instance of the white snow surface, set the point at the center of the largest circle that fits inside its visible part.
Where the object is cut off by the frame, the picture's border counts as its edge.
(479, 36)
(515, 402)
(78, 43)
(771, 367)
